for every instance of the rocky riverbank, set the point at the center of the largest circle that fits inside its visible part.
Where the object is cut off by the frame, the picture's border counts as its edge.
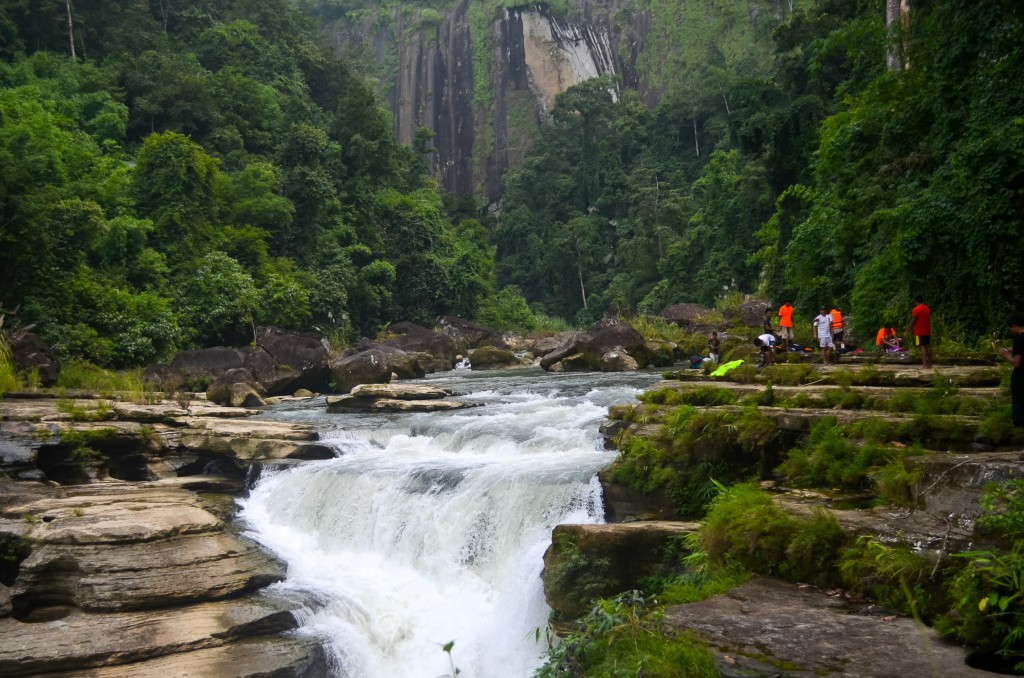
(117, 551)
(880, 468)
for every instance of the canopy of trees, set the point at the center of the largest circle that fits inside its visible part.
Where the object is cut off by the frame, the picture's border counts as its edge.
(826, 179)
(172, 173)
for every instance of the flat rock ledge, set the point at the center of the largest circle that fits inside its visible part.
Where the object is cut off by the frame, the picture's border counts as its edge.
(132, 579)
(396, 398)
(767, 627)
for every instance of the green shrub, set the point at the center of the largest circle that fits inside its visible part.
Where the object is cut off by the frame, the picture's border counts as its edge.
(8, 375)
(894, 576)
(624, 636)
(745, 528)
(576, 579)
(708, 396)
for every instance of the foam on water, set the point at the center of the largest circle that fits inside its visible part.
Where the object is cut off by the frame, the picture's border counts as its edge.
(432, 527)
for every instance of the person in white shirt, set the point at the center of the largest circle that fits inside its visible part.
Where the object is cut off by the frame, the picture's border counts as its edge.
(823, 330)
(766, 342)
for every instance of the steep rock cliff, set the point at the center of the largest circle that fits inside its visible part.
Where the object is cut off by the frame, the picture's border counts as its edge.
(483, 78)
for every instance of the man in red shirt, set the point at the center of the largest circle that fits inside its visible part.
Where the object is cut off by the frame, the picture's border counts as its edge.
(921, 326)
(786, 324)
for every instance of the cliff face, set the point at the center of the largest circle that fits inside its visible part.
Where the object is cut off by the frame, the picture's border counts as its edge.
(484, 79)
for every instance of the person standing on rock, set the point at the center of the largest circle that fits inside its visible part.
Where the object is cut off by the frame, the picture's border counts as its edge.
(837, 328)
(1015, 356)
(823, 330)
(921, 326)
(786, 323)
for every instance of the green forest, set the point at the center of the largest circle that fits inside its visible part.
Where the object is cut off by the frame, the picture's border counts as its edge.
(826, 179)
(173, 174)
(195, 169)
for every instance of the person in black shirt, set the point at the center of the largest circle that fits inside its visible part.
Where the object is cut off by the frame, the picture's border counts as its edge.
(1015, 356)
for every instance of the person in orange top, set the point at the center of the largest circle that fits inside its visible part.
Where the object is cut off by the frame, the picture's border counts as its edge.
(786, 324)
(837, 328)
(921, 326)
(886, 340)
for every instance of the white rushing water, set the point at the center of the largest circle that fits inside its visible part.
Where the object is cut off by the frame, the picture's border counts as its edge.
(431, 528)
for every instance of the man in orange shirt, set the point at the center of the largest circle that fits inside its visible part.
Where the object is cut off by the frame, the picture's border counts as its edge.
(921, 326)
(786, 324)
(837, 328)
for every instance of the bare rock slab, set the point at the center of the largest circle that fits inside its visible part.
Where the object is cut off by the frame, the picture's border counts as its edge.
(286, 657)
(83, 640)
(767, 623)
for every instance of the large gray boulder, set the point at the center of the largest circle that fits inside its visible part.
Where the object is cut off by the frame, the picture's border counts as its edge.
(220, 390)
(30, 353)
(284, 361)
(467, 334)
(683, 314)
(610, 336)
(752, 312)
(372, 366)
(571, 344)
(413, 338)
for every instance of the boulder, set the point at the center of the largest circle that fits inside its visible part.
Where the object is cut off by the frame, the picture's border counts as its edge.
(618, 361)
(489, 358)
(400, 391)
(366, 367)
(402, 364)
(588, 561)
(284, 361)
(243, 395)
(467, 334)
(30, 353)
(220, 390)
(413, 338)
(613, 335)
(346, 403)
(208, 363)
(814, 634)
(661, 353)
(570, 344)
(752, 312)
(683, 314)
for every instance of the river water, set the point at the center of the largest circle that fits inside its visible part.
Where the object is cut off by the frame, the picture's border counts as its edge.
(431, 527)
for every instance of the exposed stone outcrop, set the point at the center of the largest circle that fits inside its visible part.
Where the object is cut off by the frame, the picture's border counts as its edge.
(372, 366)
(284, 361)
(491, 358)
(683, 314)
(413, 338)
(588, 561)
(30, 353)
(610, 342)
(117, 577)
(208, 363)
(467, 334)
(396, 398)
(765, 623)
(220, 391)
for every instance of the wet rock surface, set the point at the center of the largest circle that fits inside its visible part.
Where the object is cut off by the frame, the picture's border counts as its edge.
(119, 576)
(771, 628)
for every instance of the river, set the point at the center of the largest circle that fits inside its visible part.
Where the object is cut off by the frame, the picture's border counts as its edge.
(430, 528)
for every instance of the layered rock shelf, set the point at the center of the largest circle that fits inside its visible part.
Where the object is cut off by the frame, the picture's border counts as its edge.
(120, 557)
(954, 445)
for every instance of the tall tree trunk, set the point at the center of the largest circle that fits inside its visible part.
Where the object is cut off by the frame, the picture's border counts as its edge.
(696, 142)
(71, 30)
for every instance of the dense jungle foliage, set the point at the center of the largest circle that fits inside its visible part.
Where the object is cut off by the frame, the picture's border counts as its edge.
(198, 168)
(824, 179)
(172, 174)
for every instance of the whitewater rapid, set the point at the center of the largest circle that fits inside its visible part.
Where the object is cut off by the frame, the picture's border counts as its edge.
(430, 528)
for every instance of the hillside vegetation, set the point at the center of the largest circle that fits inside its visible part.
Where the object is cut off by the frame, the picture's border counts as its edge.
(829, 179)
(173, 173)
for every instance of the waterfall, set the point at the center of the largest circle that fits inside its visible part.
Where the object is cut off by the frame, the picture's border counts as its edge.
(431, 528)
